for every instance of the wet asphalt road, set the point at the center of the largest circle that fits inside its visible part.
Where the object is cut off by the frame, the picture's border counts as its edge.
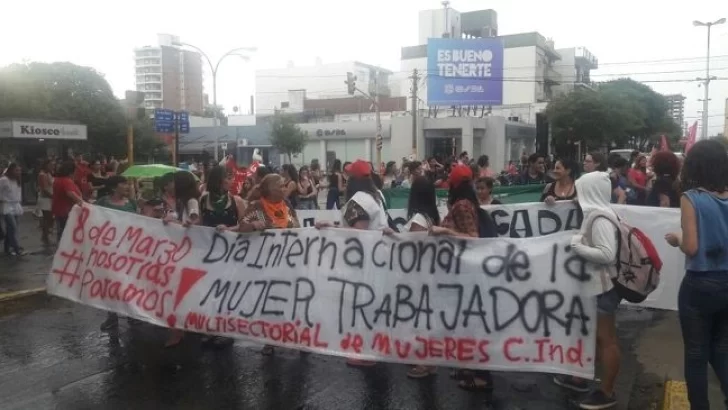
(53, 356)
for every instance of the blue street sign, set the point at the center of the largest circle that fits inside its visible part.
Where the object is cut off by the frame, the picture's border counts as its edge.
(164, 128)
(163, 121)
(184, 122)
(162, 114)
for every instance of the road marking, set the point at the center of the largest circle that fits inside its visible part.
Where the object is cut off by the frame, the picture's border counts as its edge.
(7, 296)
(676, 396)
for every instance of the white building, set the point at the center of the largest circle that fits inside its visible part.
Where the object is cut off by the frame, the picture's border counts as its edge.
(284, 89)
(169, 76)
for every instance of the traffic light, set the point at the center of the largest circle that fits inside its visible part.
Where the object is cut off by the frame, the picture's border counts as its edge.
(135, 105)
(351, 83)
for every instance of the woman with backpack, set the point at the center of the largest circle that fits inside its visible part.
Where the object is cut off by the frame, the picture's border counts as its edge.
(466, 219)
(596, 242)
(703, 295)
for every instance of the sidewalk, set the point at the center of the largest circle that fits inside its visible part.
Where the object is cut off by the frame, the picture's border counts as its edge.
(29, 271)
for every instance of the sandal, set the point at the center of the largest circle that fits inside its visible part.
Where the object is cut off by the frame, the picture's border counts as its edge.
(473, 385)
(360, 363)
(267, 350)
(421, 372)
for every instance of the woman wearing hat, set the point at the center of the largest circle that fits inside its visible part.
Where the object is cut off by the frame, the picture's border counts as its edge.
(466, 219)
(364, 209)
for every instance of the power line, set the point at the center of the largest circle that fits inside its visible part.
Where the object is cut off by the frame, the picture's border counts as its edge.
(688, 60)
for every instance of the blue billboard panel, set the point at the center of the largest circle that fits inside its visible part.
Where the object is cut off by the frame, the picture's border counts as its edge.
(464, 71)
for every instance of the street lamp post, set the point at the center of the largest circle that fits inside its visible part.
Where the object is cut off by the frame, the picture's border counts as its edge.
(706, 83)
(214, 68)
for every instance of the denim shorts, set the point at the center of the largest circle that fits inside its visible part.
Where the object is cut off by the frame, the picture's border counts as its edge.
(608, 302)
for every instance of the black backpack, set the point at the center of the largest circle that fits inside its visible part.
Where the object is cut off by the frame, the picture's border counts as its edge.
(486, 225)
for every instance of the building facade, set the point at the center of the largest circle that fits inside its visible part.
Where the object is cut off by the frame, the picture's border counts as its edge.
(285, 89)
(169, 76)
(676, 108)
(575, 69)
(349, 141)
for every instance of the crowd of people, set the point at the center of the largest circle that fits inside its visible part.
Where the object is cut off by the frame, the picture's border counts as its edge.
(270, 198)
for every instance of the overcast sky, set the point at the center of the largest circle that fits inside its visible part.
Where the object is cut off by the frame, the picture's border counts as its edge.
(621, 33)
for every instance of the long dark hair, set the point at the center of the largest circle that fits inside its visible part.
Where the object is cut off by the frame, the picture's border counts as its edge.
(462, 191)
(706, 166)
(362, 184)
(423, 200)
(215, 178)
(289, 171)
(185, 187)
(571, 167)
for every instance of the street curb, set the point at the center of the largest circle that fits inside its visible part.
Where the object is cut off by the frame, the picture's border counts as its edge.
(9, 296)
(676, 396)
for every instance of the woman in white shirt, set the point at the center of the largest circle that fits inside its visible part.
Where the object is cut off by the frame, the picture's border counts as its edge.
(364, 209)
(11, 208)
(186, 213)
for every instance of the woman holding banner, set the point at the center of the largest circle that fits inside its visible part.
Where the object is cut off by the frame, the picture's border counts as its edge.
(221, 210)
(563, 188)
(422, 215)
(364, 209)
(271, 211)
(185, 211)
(466, 219)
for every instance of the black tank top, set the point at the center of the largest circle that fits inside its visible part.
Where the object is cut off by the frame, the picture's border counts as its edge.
(228, 216)
(551, 191)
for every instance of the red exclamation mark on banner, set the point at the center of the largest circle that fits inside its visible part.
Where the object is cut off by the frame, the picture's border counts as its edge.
(189, 278)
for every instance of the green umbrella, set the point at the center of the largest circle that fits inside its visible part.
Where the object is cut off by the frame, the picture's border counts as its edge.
(150, 171)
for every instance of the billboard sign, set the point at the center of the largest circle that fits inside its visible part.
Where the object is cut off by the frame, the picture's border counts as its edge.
(464, 71)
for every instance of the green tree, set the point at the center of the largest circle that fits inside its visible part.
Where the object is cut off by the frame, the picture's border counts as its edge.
(618, 113)
(65, 92)
(649, 105)
(588, 117)
(286, 136)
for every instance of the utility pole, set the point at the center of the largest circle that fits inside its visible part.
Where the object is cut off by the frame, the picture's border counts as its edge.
(378, 117)
(175, 153)
(134, 111)
(352, 89)
(707, 79)
(415, 82)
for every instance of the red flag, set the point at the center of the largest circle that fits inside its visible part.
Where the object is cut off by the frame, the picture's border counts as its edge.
(663, 143)
(692, 134)
(238, 174)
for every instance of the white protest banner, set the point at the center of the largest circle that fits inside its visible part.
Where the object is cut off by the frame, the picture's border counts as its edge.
(538, 219)
(501, 304)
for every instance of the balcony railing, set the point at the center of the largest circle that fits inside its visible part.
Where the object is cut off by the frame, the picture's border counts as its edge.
(581, 54)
